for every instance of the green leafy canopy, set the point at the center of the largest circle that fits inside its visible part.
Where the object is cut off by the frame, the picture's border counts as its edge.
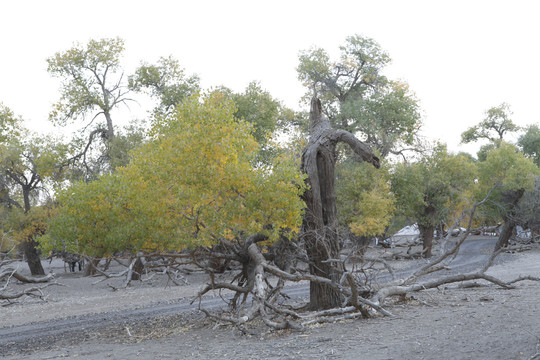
(192, 185)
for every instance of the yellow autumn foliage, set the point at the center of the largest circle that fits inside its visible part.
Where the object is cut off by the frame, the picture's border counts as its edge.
(194, 183)
(365, 202)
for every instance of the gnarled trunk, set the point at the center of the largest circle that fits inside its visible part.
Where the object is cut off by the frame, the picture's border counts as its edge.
(511, 200)
(506, 234)
(32, 257)
(426, 233)
(138, 269)
(319, 229)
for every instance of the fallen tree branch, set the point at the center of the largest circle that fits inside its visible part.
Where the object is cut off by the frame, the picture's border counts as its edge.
(109, 276)
(33, 291)
(229, 319)
(523, 278)
(25, 279)
(388, 291)
(321, 320)
(32, 279)
(218, 286)
(382, 261)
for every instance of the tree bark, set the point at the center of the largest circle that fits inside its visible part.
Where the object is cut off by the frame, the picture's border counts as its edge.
(91, 267)
(511, 200)
(32, 257)
(110, 127)
(26, 197)
(138, 269)
(30, 246)
(319, 228)
(506, 234)
(426, 232)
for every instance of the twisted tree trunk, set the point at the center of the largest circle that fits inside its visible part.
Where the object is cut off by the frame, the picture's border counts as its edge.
(426, 233)
(511, 200)
(32, 257)
(320, 221)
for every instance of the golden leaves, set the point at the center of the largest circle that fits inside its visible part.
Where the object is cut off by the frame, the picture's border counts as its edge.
(193, 184)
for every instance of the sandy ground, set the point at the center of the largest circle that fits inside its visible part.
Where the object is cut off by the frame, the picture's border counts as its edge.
(483, 322)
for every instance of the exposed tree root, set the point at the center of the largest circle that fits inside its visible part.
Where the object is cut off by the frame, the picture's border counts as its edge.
(362, 295)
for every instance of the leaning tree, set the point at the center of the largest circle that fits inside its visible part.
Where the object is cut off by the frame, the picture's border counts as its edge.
(320, 224)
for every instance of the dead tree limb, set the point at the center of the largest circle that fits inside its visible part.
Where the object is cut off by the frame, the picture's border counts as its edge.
(33, 292)
(25, 279)
(380, 260)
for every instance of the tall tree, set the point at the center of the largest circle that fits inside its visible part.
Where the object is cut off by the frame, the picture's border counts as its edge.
(425, 190)
(496, 124)
(25, 162)
(502, 166)
(357, 72)
(510, 174)
(357, 98)
(167, 81)
(320, 227)
(92, 87)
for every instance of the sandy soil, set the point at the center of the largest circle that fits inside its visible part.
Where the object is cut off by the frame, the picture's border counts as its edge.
(484, 322)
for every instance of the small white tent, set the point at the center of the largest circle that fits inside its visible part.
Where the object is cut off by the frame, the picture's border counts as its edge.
(409, 235)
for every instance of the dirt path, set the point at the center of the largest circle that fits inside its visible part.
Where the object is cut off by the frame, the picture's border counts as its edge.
(452, 323)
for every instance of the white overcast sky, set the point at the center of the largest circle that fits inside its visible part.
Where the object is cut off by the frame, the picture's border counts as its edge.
(459, 57)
